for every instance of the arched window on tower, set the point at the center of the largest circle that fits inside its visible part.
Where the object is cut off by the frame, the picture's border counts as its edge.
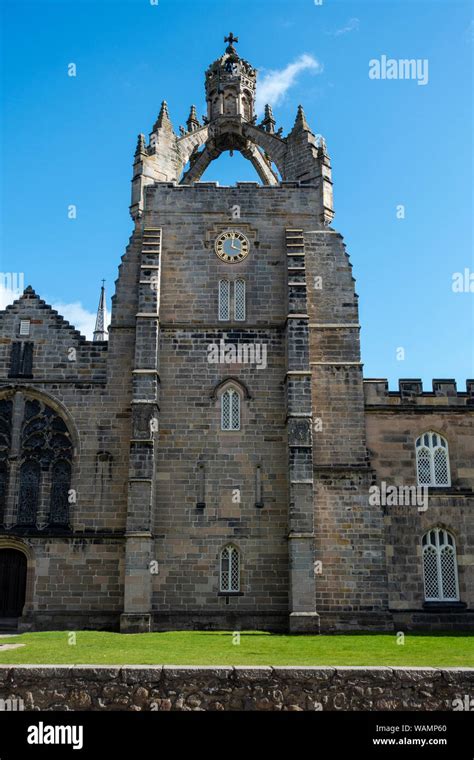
(440, 572)
(229, 571)
(230, 409)
(432, 460)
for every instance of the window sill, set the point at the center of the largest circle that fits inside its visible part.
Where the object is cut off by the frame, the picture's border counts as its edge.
(444, 606)
(230, 593)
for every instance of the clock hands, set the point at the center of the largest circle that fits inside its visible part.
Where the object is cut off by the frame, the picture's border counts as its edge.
(232, 241)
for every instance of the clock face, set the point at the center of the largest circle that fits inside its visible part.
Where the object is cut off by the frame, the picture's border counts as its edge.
(231, 246)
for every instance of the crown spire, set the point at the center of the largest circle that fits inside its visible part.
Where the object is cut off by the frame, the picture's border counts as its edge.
(100, 332)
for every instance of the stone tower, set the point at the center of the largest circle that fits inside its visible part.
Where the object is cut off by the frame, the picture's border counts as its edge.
(209, 464)
(288, 488)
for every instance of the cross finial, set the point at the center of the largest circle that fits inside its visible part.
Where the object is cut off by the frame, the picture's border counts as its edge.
(231, 39)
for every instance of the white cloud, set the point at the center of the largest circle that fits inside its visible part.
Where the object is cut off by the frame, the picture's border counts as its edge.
(74, 313)
(9, 292)
(351, 26)
(274, 85)
(77, 316)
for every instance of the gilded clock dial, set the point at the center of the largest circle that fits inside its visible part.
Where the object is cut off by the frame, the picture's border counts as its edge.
(232, 246)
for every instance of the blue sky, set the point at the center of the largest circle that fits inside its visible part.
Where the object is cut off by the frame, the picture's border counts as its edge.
(70, 140)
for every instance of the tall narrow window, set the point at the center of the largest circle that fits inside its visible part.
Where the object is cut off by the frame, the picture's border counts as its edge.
(59, 504)
(224, 300)
(230, 410)
(239, 300)
(432, 460)
(229, 569)
(21, 359)
(28, 501)
(440, 566)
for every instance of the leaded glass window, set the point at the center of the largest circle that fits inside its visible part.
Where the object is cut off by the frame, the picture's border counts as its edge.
(432, 460)
(440, 566)
(229, 569)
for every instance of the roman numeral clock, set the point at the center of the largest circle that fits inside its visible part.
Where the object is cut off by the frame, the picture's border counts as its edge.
(232, 246)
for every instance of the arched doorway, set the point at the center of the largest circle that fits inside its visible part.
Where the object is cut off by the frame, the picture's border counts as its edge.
(12, 583)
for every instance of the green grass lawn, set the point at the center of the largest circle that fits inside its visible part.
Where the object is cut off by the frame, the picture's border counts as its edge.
(255, 648)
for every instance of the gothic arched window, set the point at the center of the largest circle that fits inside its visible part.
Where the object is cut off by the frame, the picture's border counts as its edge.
(230, 409)
(229, 575)
(440, 573)
(36, 452)
(432, 460)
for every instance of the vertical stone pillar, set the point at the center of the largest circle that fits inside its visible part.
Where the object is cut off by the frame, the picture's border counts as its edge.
(303, 615)
(145, 407)
(351, 591)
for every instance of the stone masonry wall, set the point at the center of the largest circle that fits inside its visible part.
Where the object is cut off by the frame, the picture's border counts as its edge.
(196, 461)
(164, 688)
(394, 420)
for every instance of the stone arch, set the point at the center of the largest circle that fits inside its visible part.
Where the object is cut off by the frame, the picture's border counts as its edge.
(40, 395)
(22, 545)
(205, 145)
(222, 385)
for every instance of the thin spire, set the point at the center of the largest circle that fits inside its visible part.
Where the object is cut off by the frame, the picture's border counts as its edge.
(301, 125)
(163, 119)
(141, 145)
(193, 121)
(100, 332)
(268, 122)
(322, 147)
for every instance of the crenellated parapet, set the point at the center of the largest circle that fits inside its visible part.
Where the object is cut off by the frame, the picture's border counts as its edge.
(410, 393)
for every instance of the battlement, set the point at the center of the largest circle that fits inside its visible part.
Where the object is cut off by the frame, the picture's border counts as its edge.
(410, 393)
(248, 185)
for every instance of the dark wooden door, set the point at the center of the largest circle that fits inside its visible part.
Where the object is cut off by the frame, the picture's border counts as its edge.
(12, 582)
